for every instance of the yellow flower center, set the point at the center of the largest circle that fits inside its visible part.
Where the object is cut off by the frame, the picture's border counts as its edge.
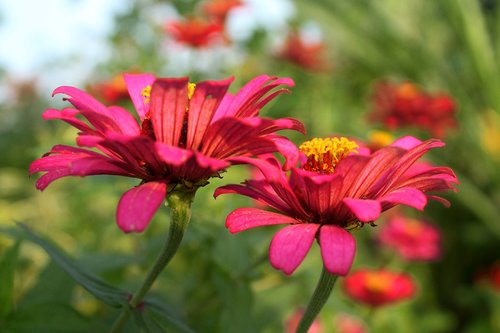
(377, 282)
(146, 93)
(380, 138)
(323, 155)
(191, 88)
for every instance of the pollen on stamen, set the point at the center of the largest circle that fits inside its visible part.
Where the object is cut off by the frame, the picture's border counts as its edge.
(191, 87)
(323, 154)
(146, 93)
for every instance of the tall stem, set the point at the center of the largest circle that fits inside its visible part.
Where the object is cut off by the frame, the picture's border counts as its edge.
(321, 294)
(180, 205)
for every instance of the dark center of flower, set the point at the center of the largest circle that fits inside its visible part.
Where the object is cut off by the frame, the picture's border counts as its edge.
(323, 155)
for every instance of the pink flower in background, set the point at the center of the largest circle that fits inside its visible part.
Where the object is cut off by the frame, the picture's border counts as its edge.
(186, 134)
(345, 323)
(403, 104)
(413, 239)
(379, 287)
(293, 321)
(196, 32)
(335, 190)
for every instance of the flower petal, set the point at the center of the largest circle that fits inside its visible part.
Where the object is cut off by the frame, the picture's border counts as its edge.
(290, 245)
(135, 84)
(337, 249)
(247, 218)
(406, 196)
(169, 100)
(364, 210)
(138, 205)
(81, 100)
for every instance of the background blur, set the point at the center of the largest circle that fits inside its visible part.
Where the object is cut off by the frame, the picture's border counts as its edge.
(337, 52)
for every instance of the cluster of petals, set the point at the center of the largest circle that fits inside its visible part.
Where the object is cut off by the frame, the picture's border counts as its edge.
(179, 136)
(218, 10)
(346, 323)
(399, 105)
(309, 55)
(378, 287)
(326, 206)
(413, 239)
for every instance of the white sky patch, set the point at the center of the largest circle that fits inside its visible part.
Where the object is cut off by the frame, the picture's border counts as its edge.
(36, 33)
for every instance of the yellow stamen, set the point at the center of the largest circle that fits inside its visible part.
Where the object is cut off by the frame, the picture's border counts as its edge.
(191, 88)
(323, 155)
(146, 93)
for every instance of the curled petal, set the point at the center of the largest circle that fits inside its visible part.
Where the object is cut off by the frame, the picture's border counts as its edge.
(246, 218)
(364, 210)
(290, 245)
(337, 249)
(406, 196)
(138, 205)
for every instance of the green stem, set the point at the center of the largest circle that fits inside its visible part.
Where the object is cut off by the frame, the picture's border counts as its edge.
(180, 205)
(321, 294)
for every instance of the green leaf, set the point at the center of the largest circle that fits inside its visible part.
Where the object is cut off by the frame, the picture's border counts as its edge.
(93, 284)
(50, 318)
(159, 318)
(8, 266)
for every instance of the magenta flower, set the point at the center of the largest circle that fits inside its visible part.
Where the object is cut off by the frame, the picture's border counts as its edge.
(412, 239)
(334, 191)
(186, 134)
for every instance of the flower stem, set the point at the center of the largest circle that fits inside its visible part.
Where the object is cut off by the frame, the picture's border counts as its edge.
(323, 290)
(180, 205)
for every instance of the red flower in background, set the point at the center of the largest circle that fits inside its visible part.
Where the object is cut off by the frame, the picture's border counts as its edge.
(186, 134)
(490, 276)
(218, 10)
(112, 91)
(334, 191)
(379, 287)
(398, 105)
(292, 323)
(196, 32)
(345, 323)
(304, 53)
(414, 240)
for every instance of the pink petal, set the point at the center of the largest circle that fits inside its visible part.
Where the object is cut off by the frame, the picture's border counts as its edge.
(290, 245)
(138, 205)
(81, 100)
(169, 100)
(337, 249)
(206, 99)
(125, 121)
(364, 210)
(246, 218)
(406, 142)
(406, 196)
(135, 84)
(289, 151)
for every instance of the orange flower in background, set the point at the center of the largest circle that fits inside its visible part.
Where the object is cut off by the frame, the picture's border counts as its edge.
(379, 287)
(413, 240)
(112, 91)
(404, 104)
(219, 9)
(196, 32)
(293, 321)
(308, 54)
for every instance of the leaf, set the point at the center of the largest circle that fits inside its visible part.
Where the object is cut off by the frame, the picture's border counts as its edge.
(159, 318)
(93, 284)
(8, 265)
(50, 318)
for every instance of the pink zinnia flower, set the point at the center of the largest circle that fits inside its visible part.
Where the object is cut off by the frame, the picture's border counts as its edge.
(379, 287)
(186, 134)
(334, 191)
(413, 239)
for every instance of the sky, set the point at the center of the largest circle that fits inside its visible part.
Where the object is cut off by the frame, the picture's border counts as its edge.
(71, 34)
